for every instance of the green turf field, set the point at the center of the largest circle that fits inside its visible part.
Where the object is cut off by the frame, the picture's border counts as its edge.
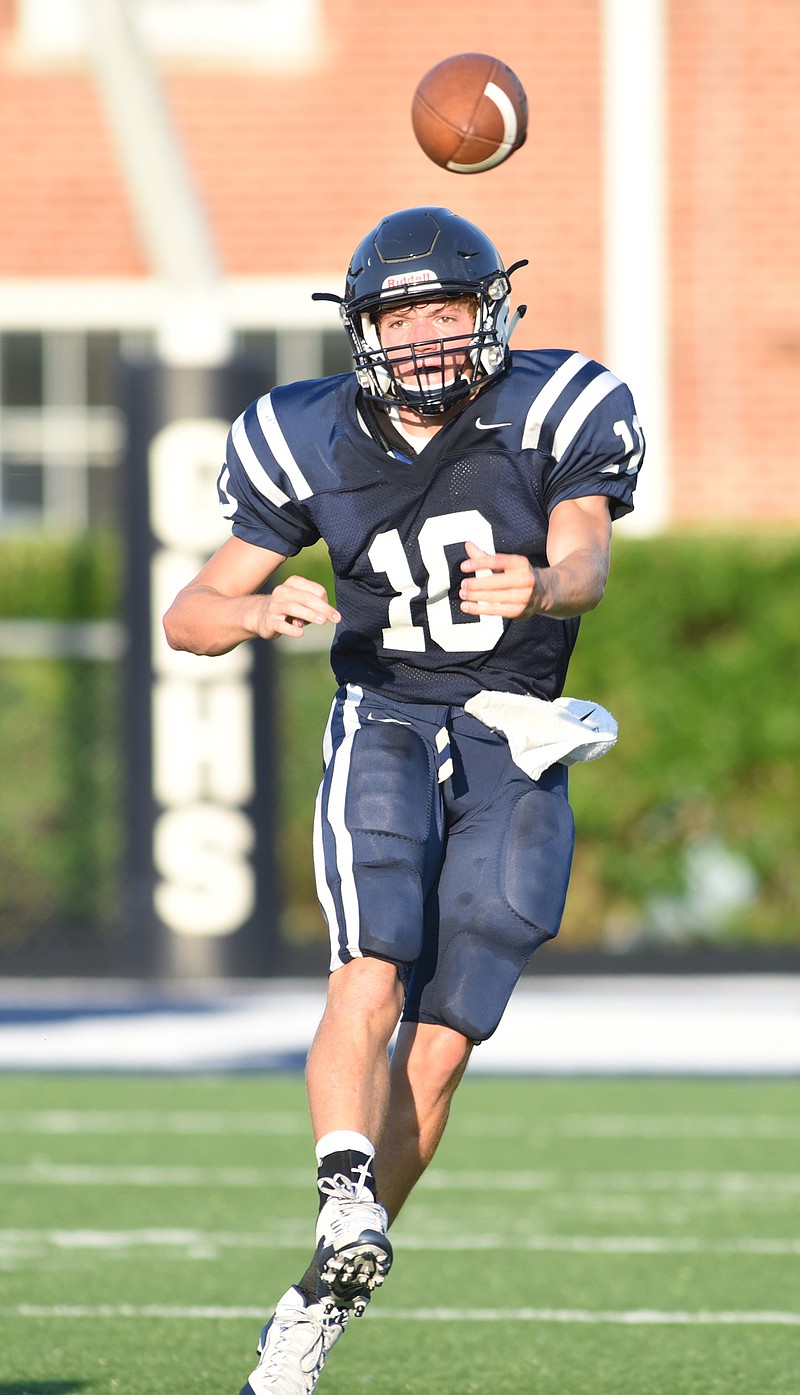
(632, 1237)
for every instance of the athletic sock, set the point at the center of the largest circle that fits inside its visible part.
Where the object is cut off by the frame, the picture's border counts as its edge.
(346, 1154)
(309, 1284)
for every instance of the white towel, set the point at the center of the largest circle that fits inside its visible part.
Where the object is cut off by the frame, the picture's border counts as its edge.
(540, 733)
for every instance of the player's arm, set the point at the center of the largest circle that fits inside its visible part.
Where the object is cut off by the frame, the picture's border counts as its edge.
(220, 608)
(578, 553)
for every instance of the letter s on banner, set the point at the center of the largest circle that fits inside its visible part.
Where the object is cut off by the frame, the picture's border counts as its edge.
(202, 853)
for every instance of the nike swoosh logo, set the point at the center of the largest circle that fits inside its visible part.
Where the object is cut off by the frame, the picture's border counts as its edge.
(394, 720)
(490, 425)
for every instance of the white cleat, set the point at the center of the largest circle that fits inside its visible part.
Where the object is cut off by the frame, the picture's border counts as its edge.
(294, 1346)
(353, 1250)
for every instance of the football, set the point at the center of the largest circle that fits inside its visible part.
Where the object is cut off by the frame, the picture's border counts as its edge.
(470, 113)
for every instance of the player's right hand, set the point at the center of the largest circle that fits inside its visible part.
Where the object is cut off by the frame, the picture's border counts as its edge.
(293, 604)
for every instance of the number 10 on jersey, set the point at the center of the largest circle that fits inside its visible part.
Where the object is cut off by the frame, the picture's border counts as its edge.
(388, 557)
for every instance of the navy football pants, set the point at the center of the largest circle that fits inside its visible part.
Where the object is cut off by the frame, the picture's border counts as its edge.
(435, 852)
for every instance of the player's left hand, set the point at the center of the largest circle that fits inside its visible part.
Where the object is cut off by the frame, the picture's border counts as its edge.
(501, 583)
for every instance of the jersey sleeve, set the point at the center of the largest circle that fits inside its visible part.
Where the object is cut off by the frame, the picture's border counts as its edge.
(597, 443)
(261, 486)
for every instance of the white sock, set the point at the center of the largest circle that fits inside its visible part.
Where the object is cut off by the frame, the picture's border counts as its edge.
(343, 1141)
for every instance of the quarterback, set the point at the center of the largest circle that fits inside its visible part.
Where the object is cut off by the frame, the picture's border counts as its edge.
(466, 496)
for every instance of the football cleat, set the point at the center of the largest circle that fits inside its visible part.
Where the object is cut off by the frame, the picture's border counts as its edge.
(294, 1346)
(353, 1251)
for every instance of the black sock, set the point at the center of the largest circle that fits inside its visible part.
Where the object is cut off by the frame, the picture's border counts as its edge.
(310, 1280)
(354, 1166)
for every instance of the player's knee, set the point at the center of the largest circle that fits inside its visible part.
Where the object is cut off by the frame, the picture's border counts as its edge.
(441, 1059)
(428, 1063)
(366, 990)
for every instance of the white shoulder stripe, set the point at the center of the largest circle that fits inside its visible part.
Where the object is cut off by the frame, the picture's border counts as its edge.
(280, 447)
(584, 403)
(253, 467)
(544, 400)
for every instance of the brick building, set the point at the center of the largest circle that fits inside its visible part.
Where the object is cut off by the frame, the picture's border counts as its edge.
(295, 124)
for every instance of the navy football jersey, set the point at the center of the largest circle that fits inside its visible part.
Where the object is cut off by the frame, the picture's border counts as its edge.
(301, 465)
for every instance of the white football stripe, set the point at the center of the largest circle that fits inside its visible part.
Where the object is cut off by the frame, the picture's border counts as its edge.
(544, 399)
(253, 468)
(323, 890)
(338, 824)
(326, 901)
(581, 408)
(279, 446)
(510, 130)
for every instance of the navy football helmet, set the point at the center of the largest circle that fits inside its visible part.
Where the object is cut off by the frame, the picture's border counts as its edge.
(427, 254)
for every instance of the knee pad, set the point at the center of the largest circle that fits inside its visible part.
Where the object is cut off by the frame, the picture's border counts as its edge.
(473, 1003)
(537, 859)
(378, 831)
(390, 899)
(493, 918)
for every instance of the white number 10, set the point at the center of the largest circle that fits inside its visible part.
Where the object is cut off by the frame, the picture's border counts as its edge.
(388, 557)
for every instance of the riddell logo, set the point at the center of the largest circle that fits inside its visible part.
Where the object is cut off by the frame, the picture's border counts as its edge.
(408, 278)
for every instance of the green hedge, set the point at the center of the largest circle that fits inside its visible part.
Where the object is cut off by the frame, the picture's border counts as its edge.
(687, 831)
(690, 826)
(47, 578)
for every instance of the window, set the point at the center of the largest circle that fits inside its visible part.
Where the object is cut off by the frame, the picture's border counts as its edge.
(62, 432)
(60, 429)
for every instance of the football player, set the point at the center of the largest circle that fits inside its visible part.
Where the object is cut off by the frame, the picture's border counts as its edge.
(466, 496)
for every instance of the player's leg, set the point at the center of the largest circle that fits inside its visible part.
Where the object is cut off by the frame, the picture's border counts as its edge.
(377, 848)
(347, 1072)
(377, 845)
(428, 1063)
(348, 1087)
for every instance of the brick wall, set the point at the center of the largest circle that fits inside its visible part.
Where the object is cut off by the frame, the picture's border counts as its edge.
(295, 168)
(735, 283)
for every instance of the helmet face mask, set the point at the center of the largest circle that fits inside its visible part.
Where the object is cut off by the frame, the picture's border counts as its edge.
(426, 255)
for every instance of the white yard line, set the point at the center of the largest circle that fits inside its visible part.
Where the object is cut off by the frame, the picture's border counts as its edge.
(753, 1185)
(15, 1241)
(633, 1317)
(761, 1126)
(191, 1122)
(144, 1121)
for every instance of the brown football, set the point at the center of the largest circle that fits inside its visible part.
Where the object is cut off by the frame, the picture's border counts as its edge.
(470, 113)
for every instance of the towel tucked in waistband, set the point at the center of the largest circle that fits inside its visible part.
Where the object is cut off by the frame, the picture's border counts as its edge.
(540, 733)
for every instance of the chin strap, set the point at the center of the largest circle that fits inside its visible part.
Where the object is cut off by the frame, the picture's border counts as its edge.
(518, 315)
